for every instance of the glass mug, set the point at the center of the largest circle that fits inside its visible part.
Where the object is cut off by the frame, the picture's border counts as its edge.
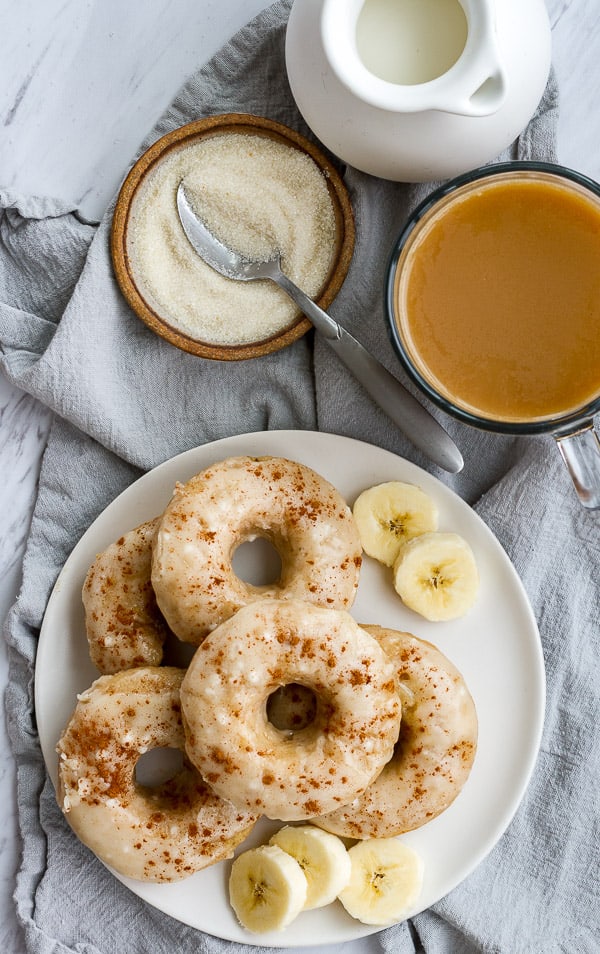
(493, 301)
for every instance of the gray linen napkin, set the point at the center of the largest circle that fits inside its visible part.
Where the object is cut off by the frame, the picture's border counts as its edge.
(69, 339)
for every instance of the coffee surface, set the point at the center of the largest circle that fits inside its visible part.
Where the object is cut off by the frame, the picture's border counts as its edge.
(498, 298)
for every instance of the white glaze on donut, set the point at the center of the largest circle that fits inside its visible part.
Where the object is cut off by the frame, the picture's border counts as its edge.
(124, 626)
(435, 750)
(238, 499)
(290, 775)
(159, 833)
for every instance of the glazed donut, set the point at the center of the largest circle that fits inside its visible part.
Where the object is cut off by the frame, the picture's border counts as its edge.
(160, 833)
(435, 749)
(282, 774)
(241, 498)
(124, 626)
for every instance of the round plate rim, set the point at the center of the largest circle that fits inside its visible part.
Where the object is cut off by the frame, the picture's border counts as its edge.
(271, 442)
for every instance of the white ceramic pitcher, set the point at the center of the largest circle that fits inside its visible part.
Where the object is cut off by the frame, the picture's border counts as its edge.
(416, 90)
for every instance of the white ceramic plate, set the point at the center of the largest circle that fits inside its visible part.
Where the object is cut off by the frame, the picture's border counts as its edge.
(496, 647)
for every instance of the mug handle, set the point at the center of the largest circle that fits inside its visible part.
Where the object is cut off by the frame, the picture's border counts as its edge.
(580, 451)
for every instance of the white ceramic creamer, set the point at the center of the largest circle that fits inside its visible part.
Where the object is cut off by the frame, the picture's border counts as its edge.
(417, 90)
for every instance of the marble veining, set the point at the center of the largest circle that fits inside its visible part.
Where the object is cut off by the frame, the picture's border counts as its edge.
(104, 72)
(80, 86)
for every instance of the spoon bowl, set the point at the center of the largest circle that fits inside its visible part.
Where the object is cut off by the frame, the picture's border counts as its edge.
(226, 261)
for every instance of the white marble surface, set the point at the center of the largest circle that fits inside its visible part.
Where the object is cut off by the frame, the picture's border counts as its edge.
(81, 82)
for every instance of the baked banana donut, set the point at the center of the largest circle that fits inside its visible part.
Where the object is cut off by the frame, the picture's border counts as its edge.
(124, 626)
(163, 832)
(281, 773)
(435, 750)
(238, 499)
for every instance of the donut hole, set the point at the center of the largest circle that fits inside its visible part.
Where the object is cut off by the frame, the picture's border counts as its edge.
(177, 653)
(158, 766)
(292, 708)
(257, 562)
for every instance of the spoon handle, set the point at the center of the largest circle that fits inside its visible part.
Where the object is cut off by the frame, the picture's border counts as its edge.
(398, 403)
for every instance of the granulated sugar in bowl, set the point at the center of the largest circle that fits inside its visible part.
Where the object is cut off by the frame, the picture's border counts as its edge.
(259, 187)
(255, 195)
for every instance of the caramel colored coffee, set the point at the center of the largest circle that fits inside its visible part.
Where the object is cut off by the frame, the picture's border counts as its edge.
(497, 296)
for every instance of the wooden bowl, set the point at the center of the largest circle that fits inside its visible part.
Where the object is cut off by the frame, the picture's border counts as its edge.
(185, 136)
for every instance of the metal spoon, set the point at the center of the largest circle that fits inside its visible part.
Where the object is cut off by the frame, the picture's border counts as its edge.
(410, 416)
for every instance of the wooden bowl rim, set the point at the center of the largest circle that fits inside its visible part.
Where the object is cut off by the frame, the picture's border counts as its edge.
(183, 135)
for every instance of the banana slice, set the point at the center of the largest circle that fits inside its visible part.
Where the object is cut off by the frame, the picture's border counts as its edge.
(385, 882)
(436, 576)
(322, 857)
(267, 888)
(390, 514)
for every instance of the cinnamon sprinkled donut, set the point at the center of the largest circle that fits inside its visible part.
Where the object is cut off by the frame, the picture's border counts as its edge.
(160, 833)
(241, 498)
(435, 749)
(283, 774)
(124, 626)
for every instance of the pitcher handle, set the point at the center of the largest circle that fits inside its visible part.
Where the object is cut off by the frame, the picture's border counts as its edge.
(580, 451)
(483, 89)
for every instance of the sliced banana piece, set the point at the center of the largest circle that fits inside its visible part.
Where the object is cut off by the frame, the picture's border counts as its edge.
(322, 857)
(385, 881)
(436, 576)
(267, 888)
(390, 514)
